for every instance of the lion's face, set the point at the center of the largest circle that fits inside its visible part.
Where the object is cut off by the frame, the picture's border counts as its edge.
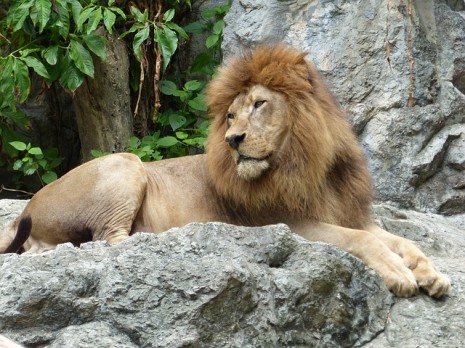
(257, 129)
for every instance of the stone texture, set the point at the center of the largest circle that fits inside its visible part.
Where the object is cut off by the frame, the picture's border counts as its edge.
(416, 154)
(202, 285)
(217, 285)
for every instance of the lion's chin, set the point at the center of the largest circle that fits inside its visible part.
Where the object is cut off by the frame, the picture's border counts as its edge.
(251, 169)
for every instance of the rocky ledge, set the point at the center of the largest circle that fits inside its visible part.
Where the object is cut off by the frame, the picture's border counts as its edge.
(217, 285)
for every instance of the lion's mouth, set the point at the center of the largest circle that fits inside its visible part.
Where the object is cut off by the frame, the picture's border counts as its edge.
(243, 158)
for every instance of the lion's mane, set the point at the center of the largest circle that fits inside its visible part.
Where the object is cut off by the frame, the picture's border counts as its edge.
(321, 173)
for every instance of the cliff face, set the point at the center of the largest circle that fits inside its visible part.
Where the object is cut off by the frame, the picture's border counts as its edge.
(380, 57)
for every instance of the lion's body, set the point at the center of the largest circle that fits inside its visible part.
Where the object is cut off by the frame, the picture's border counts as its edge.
(279, 150)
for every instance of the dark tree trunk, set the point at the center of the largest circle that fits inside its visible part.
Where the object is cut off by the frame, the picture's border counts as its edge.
(103, 110)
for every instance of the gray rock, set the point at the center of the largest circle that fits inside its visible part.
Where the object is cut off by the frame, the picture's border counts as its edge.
(9, 209)
(203, 285)
(217, 285)
(421, 321)
(415, 154)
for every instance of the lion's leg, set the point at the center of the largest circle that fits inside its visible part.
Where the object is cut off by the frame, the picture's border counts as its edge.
(115, 236)
(116, 227)
(423, 268)
(364, 245)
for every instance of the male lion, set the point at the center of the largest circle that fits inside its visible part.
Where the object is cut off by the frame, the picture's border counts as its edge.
(279, 150)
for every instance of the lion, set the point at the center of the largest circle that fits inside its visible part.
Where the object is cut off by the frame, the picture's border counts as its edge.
(280, 150)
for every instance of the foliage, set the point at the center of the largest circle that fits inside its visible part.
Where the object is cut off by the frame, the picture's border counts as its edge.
(182, 128)
(36, 161)
(56, 40)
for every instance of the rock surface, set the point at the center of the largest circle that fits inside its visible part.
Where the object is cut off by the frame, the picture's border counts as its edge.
(216, 285)
(416, 154)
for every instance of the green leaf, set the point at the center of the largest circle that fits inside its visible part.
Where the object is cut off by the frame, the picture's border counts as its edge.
(97, 44)
(17, 116)
(44, 9)
(212, 40)
(167, 141)
(22, 81)
(37, 65)
(181, 135)
(218, 27)
(177, 29)
(222, 9)
(180, 93)
(84, 16)
(167, 87)
(31, 170)
(43, 163)
(176, 121)
(76, 9)
(18, 145)
(167, 42)
(197, 104)
(196, 27)
(208, 13)
(134, 142)
(6, 83)
(97, 153)
(201, 62)
(134, 27)
(118, 11)
(72, 77)
(109, 19)
(50, 54)
(139, 38)
(17, 165)
(141, 17)
(49, 177)
(148, 140)
(168, 16)
(94, 20)
(18, 13)
(28, 51)
(193, 85)
(35, 151)
(81, 58)
(56, 69)
(63, 18)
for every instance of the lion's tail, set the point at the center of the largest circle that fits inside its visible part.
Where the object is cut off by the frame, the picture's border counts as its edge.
(22, 234)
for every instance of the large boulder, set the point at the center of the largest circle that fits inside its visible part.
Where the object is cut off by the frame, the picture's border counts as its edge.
(217, 285)
(366, 50)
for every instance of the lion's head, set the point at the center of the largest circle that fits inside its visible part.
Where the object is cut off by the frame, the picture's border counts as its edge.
(277, 132)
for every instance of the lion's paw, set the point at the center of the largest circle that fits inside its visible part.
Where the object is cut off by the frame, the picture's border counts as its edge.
(398, 278)
(401, 282)
(429, 279)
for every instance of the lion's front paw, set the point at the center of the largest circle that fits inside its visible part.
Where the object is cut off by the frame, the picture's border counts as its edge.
(429, 279)
(398, 278)
(401, 282)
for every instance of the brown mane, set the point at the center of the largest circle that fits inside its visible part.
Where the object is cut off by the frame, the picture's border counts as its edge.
(321, 174)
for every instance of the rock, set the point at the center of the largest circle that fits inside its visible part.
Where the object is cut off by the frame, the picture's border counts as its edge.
(202, 285)
(217, 285)
(9, 209)
(416, 154)
(421, 321)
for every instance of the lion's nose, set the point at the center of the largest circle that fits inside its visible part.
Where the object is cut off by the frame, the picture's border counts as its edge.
(235, 140)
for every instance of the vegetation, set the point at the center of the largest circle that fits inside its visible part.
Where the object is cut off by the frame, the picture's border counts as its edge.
(57, 41)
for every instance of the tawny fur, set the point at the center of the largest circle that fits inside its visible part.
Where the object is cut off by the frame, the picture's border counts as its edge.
(321, 174)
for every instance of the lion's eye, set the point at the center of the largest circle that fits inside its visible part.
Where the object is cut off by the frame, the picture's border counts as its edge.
(258, 103)
(230, 116)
